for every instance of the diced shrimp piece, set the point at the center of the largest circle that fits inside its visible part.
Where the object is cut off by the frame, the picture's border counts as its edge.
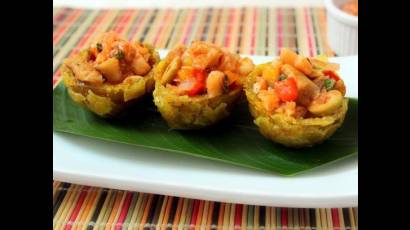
(177, 51)
(245, 66)
(102, 56)
(171, 71)
(204, 54)
(184, 73)
(111, 70)
(228, 62)
(215, 83)
(288, 56)
(140, 66)
(143, 51)
(303, 64)
(270, 99)
(84, 71)
(213, 57)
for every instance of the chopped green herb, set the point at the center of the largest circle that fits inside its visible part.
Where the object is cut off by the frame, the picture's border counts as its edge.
(329, 84)
(99, 47)
(120, 54)
(282, 77)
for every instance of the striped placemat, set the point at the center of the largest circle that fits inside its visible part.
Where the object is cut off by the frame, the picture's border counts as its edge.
(83, 207)
(255, 31)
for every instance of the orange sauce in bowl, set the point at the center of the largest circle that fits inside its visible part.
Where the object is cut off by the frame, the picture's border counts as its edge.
(351, 7)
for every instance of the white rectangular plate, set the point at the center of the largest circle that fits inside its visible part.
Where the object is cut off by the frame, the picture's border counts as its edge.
(87, 161)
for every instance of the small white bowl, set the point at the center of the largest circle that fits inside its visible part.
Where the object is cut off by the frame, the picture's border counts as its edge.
(342, 29)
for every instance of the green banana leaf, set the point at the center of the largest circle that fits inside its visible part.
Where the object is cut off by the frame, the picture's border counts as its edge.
(235, 140)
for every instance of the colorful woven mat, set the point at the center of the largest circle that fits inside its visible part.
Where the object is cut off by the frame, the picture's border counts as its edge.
(255, 31)
(83, 207)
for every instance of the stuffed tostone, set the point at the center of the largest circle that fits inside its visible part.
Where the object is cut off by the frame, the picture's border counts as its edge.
(110, 75)
(296, 101)
(196, 87)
